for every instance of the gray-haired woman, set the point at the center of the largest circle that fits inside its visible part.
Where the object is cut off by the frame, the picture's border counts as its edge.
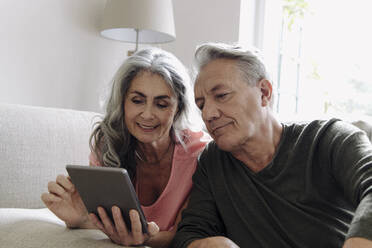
(147, 130)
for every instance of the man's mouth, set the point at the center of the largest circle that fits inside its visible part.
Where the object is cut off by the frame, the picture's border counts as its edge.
(217, 128)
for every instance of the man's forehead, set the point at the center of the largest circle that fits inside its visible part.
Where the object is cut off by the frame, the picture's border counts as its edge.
(212, 86)
(213, 81)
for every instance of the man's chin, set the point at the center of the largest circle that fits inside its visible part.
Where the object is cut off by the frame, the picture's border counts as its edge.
(224, 144)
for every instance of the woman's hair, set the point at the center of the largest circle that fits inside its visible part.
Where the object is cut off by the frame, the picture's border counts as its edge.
(248, 61)
(111, 141)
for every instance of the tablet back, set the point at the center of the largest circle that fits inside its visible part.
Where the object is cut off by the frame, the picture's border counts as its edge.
(106, 187)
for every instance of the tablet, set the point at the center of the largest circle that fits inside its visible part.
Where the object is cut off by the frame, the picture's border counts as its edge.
(106, 187)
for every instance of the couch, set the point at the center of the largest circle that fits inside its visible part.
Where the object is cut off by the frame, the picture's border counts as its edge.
(35, 145)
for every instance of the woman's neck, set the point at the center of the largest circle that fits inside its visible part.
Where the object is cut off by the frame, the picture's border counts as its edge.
(153, 153)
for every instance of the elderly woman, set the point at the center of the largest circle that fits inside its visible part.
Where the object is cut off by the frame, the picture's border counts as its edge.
(147, 131)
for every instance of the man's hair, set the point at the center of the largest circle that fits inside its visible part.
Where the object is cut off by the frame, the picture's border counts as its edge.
(249, 61)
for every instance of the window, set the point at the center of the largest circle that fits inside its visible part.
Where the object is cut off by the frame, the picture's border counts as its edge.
(322, 57)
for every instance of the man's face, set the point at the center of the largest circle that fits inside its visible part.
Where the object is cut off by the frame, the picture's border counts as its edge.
(231, 109)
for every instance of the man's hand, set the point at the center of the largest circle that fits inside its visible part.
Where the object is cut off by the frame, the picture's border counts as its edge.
(358, 243)
(218, 241)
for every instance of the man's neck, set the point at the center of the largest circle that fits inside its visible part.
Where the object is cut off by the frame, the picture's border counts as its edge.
(258, 152)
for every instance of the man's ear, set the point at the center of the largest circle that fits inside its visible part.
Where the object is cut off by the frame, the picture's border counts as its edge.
(266, 92)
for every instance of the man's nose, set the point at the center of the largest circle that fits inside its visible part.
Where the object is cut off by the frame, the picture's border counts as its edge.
(210, 111)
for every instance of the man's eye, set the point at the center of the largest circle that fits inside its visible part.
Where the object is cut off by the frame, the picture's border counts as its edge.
(200, 106)
(222, 96)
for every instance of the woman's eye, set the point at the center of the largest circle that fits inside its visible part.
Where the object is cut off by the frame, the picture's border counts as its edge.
(162, 105)
(137, 101)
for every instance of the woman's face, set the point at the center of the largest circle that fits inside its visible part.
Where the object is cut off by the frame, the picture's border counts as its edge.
(150, 107)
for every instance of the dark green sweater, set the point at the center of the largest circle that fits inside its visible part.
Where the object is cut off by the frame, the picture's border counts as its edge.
(316, 191)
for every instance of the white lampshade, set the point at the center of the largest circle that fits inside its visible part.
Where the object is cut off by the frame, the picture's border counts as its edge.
(152, 20)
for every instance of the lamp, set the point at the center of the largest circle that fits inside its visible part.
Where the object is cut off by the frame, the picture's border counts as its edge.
(139, 21)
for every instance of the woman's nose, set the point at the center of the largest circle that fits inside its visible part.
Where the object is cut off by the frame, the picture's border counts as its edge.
(147, 112)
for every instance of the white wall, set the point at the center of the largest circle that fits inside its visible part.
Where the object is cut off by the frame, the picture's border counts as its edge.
(199, 21)
(51, 53)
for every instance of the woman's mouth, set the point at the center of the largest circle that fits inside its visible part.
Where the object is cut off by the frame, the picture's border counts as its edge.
(147, 128)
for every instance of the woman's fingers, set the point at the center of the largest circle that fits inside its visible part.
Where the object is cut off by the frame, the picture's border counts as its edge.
(152, 228)
(107, 224)
(96, 221)
(118, 231)
(62, 187)
(49, 198)
(138, 237)
(55, 188)
(66, 183)
(120, 225)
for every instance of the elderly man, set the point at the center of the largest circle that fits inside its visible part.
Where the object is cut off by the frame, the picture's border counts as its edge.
(263, 183)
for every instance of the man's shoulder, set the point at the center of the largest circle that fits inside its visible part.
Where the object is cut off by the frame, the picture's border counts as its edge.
(212, 154)
(211, 149)
(313, 124)
(316, 130)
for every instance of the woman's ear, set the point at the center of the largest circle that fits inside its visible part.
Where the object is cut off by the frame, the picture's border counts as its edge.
(266, 92)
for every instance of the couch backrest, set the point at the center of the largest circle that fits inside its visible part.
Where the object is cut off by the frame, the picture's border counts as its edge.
(35, 145)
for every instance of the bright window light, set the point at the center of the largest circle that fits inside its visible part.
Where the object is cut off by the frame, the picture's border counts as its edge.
(323, 60)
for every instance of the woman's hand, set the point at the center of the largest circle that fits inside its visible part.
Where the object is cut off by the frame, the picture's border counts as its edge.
(65, 202)
(118, 231)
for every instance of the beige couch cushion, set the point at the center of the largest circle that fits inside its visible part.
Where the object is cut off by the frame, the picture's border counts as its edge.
(35, 145)
(23, 228)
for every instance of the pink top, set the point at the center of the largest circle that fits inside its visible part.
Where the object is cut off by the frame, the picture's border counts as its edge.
(165, 209)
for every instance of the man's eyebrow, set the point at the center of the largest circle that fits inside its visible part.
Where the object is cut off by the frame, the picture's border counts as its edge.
(143, 95)
(214, 89)
(217, 87)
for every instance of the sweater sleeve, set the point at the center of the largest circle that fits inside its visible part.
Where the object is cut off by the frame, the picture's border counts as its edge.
(201, 218)
(351, 164)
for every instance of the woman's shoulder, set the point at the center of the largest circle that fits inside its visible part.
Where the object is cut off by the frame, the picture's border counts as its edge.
(193, 142)
(93, 159)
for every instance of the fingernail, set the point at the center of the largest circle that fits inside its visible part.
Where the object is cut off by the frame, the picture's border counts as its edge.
(133, 213)
(115, 210)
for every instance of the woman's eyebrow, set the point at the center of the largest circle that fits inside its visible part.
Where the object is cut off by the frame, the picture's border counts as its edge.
(143, 95)
(162, 97)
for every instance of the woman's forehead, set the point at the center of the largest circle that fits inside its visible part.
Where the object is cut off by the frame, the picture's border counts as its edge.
(150, 84)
